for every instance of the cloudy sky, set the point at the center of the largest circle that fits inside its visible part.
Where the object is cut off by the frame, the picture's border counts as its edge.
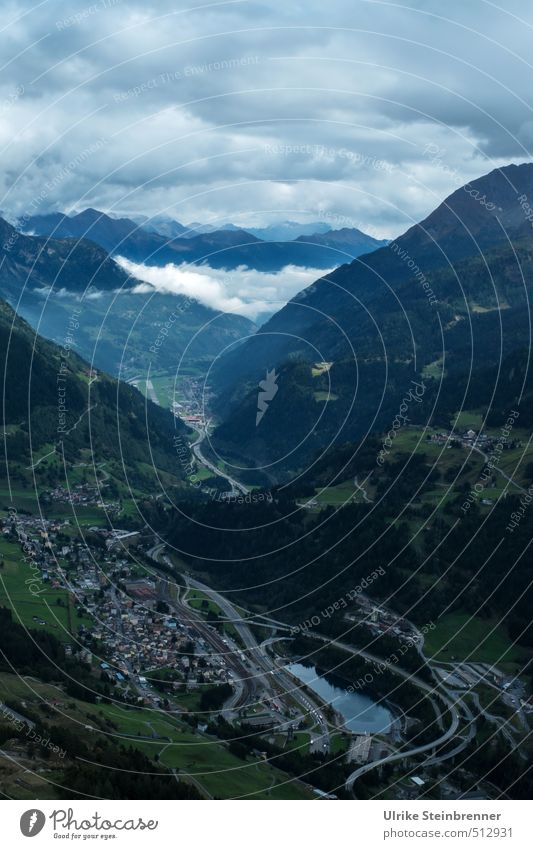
(365, 112)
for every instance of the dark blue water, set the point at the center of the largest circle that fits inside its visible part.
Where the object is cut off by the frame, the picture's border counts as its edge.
(359, 711)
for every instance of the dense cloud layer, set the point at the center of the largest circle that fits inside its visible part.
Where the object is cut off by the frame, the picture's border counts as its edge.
(244, 291)
(254, 110)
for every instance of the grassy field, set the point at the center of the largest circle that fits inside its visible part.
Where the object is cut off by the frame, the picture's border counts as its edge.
(433, 369)
(53, 607)
(189, 701)
(468, 419)
(19, 497)
(409, 439)
(206, 759)
(203, 474)
(300, 742)
(34, 693)
(458, 468)
(339, 743)
(320, 368)
(512, 461)
(457, 635)
(19, 782)
(201, 602)
(25, 499)
(172, 743)
(342, 493)
(323, 395)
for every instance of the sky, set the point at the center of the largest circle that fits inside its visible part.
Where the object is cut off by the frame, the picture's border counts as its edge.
(360, 113)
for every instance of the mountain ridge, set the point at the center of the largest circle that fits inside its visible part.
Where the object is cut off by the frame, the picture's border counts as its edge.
(453, 287)
(225, 248)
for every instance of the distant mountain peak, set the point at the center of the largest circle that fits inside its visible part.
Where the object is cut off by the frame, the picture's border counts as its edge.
(40, 262)
(478, 213)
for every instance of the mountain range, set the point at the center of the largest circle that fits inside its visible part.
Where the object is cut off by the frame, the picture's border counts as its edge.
(223, 249)
(44, 279)
(281, 231)
(446, 298)
(70, 257)
(32, 262)
(450, 295)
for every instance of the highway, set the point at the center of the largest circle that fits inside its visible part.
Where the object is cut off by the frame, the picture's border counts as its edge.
(289, 685)
(236, 486)
(266, 675)
(274, 682)
(406, 753)
(266, 672)
(418, 682)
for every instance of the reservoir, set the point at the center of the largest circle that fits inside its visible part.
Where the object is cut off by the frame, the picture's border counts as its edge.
(359, 711)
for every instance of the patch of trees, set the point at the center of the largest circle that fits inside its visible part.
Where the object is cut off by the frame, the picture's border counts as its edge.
(213, 698)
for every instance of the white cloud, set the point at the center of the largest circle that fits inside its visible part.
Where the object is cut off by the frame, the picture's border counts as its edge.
(242, 290)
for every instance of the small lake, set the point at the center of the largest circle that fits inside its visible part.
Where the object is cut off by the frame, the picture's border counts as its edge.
(359, 711)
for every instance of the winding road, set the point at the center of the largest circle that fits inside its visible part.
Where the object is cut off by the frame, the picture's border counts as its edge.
(236, 486)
